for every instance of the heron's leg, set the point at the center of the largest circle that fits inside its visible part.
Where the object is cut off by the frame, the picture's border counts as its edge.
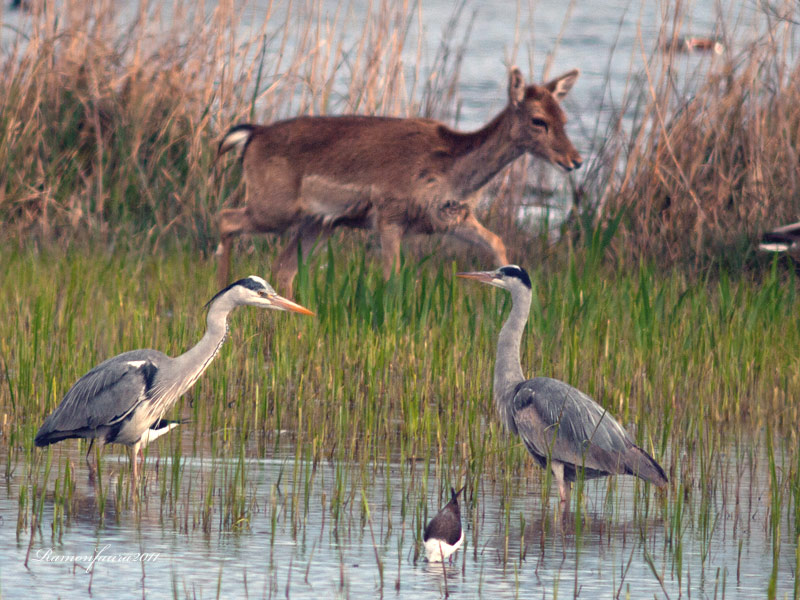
(563, 486)
(91, 468)
(137, 448)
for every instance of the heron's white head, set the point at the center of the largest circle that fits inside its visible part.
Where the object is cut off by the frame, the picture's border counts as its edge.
(508, 277)
(254, 291)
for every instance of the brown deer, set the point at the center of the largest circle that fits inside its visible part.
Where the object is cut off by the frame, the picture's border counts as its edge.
(395, 175)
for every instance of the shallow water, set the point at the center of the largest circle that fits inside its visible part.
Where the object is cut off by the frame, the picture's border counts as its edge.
(291, 542)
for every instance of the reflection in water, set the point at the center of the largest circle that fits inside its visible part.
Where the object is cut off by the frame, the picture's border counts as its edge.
(313, 539)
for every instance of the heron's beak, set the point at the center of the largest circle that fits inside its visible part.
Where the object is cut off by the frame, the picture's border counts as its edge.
(482, 276)
(285, 304)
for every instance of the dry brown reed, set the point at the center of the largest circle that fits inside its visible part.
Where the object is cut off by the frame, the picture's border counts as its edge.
(701, 174)
(109, 122)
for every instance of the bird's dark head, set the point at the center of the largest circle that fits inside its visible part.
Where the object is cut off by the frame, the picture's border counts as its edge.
(455, 494)
(254, 291)
(507, 277)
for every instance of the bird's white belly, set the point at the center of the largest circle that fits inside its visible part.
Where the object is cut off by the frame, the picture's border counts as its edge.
(438, 550)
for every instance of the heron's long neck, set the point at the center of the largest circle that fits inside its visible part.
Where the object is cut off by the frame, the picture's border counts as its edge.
(508, 370)
(192, 363)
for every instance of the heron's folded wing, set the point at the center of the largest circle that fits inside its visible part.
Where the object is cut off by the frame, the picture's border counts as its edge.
(103, 396)
(555, 419)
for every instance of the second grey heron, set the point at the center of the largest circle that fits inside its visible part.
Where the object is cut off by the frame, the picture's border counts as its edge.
(121, 400)
(557, 422)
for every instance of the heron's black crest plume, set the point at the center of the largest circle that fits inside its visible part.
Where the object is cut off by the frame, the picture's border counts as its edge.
(518, 272)
(251, 283)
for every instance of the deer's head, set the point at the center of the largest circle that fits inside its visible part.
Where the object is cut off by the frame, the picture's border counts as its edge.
(537, 123)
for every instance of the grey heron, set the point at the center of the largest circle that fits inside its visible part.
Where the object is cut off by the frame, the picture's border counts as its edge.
(123, 399)
(444, 534)
(556, 421)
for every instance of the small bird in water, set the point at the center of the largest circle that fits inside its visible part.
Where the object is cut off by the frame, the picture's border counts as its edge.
(557, 423)
(693, 44)
(444, 534)
(123, 399)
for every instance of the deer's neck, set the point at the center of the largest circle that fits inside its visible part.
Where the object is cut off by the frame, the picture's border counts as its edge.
(481, 155)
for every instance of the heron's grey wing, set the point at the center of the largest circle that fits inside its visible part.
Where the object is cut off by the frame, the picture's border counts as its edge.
(555, 419)
(103, 396)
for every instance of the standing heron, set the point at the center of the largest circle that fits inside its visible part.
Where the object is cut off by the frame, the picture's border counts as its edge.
(555, 420)
(123, 399)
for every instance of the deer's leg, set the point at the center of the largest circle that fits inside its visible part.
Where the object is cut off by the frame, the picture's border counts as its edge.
(232, 222)
(223, 261)
(470, 230)
(391, 234)
(309, 235)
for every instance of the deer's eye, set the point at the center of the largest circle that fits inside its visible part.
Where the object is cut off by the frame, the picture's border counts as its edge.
(537, 122)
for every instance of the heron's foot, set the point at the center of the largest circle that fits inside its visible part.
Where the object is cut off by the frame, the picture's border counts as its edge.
(92, 470)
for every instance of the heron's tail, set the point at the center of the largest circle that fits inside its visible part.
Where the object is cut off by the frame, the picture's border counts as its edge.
(640, 463)
(45, 437)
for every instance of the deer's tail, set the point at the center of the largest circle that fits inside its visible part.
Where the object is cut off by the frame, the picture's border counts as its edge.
(237, 137)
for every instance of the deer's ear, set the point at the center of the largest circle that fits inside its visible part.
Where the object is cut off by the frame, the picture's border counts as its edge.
(560, 86)
(516, 86)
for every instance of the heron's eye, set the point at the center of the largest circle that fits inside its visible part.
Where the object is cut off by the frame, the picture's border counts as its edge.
(537, 122)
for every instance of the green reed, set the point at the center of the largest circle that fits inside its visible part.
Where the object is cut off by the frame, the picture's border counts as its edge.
(396, 377)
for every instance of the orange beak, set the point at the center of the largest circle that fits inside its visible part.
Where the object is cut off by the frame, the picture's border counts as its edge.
(286, 304)
(482, 276)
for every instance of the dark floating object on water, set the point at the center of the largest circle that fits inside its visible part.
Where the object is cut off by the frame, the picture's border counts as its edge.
(444, 534)
(558, 423)
(123, 400)
(782, 239)
(693, 44)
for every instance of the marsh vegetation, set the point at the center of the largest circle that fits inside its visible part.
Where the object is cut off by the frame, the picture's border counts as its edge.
(317, 449)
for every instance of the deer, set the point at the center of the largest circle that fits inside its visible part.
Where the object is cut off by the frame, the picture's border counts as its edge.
(313, 174)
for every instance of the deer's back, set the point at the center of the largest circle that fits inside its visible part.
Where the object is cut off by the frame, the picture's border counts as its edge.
(355, 149)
